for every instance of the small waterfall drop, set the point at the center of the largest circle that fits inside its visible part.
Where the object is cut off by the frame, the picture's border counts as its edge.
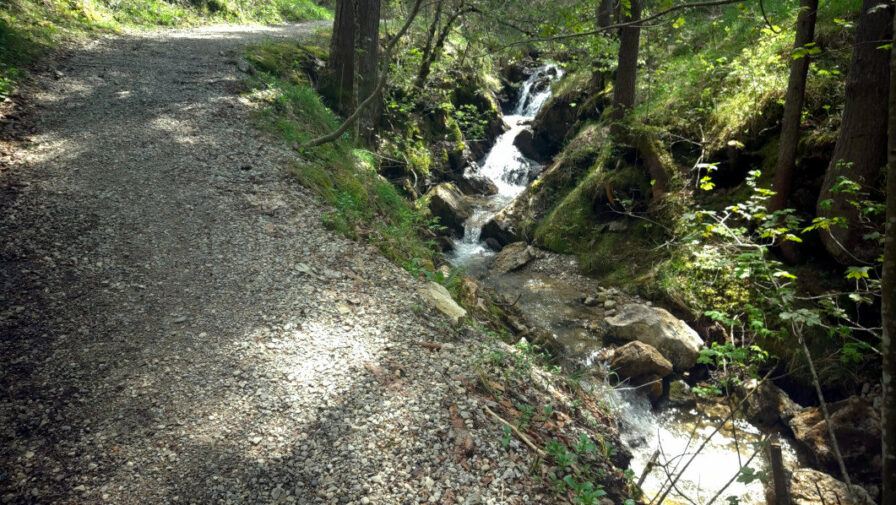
(505, 165)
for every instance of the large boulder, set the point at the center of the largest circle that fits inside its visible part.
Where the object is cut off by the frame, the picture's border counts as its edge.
(440, 298)
(499, 228)
(635, 359)
(450, 205)
(811, 487)
(766, 403)
(858, 431)
(674, 339)
(513, 257)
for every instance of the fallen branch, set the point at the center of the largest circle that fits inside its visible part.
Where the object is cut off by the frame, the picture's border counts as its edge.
(518, 433)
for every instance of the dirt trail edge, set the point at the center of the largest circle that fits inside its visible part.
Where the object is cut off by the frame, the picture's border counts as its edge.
(176, 325)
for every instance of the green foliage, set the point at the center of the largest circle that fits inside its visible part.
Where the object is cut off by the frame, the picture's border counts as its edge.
(770, 308)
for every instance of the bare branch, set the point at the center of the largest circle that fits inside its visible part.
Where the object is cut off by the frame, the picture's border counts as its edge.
(636, 22)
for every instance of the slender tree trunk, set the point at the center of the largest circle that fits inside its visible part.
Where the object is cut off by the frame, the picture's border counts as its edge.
(342, 57)
(368, 56)
(427, 50)
(793, 106)
(627, 67)
(861, 149)
(604, 13)
(888, 310)
(436, 49)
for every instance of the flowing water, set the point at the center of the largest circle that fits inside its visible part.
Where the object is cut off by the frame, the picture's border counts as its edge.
(554, 303)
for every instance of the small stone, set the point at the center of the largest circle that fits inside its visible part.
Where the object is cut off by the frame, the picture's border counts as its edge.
(80, 488)
(590, 301)
(609, 304)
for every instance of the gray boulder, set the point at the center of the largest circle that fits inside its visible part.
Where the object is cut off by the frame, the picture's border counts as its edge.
(450, 205)
(513, 257)
(637, 358)
(811, 487)
(674, 339)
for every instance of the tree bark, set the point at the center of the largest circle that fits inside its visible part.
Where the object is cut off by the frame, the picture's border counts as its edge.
(368, 56)
(793, 106)
(888, 309)
(436, 50)
(381, 83)
(430, 40)
(861, 149)
(604, 13)
(342, 57)
(627, 67)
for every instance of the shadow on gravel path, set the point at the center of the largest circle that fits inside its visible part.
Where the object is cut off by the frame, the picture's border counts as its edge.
(176, 326)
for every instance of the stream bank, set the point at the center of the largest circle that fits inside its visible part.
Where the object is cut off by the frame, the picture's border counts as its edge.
(547, 288)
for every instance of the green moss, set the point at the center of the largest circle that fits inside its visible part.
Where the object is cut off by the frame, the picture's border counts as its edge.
(290, 61)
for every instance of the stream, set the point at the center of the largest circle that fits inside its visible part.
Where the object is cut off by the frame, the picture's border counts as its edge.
(549, 291)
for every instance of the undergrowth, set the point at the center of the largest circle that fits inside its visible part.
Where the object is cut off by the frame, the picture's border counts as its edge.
(366, 206)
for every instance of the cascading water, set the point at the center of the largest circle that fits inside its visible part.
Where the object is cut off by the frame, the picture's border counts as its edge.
(675, 432)
(505, 165)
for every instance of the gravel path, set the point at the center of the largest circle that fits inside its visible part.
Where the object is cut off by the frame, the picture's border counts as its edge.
(178, 326)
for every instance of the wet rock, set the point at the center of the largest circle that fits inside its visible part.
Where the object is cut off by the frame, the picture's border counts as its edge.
(450, 205)
(513, 257)
(445, 244)
(858, 431)
(590, 301)
(674, 339)
(500, 230)
(681, 396)
(441, 299)
(474, 183)
(768, 404)
(811, 487)
(649, 385)
(637, 358)
(525, 142)
(493, 244)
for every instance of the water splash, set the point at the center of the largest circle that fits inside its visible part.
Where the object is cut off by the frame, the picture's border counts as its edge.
(505, 165)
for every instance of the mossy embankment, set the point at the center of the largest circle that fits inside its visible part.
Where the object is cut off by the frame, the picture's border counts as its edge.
(29, 28)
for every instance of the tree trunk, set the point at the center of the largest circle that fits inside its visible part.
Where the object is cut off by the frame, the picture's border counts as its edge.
(368, 61)
(793, 106)
(861, 150)
(423, 73)
(436, 49)
(604, 13)
(341, 88)
(627, 67)
(888, 310)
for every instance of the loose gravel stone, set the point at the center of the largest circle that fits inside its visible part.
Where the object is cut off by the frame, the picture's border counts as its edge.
(179, 327)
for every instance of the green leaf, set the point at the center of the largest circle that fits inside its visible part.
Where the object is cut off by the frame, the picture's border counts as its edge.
(678, 23)
(857, 272)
